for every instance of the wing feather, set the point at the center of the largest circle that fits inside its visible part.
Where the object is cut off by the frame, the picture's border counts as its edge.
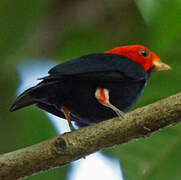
(111, 65)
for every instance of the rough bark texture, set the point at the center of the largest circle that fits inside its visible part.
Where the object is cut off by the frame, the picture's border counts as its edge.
(68, 147)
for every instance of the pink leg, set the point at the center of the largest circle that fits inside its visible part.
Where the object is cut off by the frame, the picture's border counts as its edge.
(67, 116)
(102, 95)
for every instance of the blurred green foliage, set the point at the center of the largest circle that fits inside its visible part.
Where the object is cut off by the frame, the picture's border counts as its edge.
(72, 28)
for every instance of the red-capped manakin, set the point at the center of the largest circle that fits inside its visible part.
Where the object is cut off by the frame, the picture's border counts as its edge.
(94, 87)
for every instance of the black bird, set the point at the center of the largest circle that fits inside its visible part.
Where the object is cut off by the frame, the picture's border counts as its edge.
(94, 87)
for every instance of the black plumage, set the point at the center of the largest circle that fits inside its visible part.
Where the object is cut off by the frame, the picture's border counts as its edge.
(73, 85)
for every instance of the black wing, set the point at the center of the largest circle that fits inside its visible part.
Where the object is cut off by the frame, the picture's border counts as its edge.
(110, 65)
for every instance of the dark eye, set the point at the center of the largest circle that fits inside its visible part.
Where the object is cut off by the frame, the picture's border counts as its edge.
(144, 53)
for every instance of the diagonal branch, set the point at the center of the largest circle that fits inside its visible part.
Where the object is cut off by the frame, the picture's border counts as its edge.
(68, 147)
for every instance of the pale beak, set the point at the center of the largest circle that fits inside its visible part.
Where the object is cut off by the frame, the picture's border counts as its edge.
(160, 66)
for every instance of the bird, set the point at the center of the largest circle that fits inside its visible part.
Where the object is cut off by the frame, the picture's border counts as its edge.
(94, 87)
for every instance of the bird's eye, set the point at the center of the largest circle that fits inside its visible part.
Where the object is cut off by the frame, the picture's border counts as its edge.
(144, 53)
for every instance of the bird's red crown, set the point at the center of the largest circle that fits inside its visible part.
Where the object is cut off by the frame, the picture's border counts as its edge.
(141, 55)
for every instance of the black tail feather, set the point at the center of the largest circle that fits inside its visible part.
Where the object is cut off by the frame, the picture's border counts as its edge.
(51, 109)
(23, 100)
(34, 95)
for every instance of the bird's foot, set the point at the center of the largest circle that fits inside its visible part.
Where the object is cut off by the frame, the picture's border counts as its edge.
(67, 116)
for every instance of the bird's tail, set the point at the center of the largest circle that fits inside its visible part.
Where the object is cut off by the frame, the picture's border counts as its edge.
(33, 95)
(25, 99)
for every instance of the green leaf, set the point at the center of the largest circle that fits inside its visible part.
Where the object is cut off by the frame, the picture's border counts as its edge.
(157, 157)
(164, 25)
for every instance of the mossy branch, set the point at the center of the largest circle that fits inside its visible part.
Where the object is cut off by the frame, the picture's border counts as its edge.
(69, 147)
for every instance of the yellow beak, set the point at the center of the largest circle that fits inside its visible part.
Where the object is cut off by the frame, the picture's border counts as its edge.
(160, 66)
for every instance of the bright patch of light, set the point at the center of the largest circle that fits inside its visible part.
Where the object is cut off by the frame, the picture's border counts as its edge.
(61, 125)
(31, 71)
(95, 166)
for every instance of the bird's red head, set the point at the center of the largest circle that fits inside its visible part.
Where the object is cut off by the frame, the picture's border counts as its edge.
(141, 55)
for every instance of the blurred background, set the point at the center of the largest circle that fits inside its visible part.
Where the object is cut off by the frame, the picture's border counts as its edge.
(35, 35)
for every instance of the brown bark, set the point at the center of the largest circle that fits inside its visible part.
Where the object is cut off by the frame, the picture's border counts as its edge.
(68, 147)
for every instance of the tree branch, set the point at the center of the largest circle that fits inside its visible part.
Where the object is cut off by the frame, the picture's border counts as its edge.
(69, 147)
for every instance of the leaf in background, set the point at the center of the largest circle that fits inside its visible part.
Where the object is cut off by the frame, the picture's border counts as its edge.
(156, 156)
(164, 25)
(53, 174)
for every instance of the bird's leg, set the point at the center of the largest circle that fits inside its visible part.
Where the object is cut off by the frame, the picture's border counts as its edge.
(67, 116)
(102, 95)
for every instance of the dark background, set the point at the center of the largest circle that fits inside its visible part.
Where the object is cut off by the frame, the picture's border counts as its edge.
(65, 29)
